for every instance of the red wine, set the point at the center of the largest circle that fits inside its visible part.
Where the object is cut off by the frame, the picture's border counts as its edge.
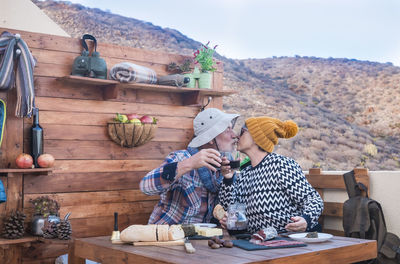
(36, 137)
(234, 164)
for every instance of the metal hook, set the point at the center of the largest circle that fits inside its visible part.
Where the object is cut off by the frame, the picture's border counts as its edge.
(208, 102)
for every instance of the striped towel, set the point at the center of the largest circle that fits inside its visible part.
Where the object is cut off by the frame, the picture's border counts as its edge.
(129, 72)
(16, 69)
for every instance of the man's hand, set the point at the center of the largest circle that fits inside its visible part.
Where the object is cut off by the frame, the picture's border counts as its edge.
(203, 158)
(299, 224)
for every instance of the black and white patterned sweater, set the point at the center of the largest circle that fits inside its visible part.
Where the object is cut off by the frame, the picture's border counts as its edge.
(273, 191)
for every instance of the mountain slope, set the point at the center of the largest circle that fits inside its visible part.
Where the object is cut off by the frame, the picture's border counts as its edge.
(346, 109)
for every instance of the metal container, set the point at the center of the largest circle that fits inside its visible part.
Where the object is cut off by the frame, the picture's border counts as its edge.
(38, 223)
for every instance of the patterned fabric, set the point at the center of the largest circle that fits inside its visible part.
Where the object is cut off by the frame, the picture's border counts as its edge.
(129, 72)
(185, 200)
(3, 113)
(23, 78)
(273, 191)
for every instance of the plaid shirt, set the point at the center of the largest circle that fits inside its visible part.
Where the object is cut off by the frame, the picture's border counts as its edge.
(185, 200)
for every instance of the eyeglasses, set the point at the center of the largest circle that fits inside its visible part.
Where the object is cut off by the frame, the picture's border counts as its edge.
(243, 130)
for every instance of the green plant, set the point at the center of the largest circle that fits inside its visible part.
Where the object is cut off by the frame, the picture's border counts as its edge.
(204, 57)
(45, 206)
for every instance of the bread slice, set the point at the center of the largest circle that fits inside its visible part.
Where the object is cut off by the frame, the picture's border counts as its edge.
(175, 232)
(162, 231)
(219, 212)
(135, 233)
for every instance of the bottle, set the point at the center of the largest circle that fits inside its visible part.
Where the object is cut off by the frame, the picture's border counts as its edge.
(37, 137)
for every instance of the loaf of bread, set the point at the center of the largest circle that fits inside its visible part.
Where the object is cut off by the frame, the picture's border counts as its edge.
(162, 232)
(176, 232)
(135, 233)
(152, 233)
(219, 212)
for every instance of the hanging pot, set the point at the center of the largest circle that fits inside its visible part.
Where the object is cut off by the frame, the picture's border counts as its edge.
(38, 223)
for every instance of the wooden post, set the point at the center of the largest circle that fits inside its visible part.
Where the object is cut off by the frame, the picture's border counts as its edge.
(12, 146)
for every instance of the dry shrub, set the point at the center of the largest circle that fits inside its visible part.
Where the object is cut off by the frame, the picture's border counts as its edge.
(319, 144)
(310, 133)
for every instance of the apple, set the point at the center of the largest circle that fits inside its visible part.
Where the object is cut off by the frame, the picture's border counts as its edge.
(146, 119)
(132, 116)
(135, 121)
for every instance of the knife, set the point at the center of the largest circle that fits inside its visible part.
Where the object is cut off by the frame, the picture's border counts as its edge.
(115, 237)
(189, 247)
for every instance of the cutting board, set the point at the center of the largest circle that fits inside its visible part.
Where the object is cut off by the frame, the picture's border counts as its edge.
(180, 242)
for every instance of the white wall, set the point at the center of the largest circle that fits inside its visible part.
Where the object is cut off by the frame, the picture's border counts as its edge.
(25, 15)
(384, 188)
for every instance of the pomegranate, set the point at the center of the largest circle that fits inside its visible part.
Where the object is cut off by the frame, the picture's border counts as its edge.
(45, 161)
(24, 161)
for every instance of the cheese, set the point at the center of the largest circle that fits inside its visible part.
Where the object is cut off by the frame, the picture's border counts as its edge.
(209, 232)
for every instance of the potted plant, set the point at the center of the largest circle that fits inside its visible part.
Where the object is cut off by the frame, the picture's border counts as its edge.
(45, 209)
(204, 57)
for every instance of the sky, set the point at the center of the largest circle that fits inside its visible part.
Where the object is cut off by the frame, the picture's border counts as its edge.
(353, 29)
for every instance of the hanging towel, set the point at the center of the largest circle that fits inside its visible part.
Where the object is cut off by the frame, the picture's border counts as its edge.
(14, 51)
(2, 119)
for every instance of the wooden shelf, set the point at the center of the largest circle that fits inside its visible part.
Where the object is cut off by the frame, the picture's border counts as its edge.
(24, 241)
(111, 87)
(55, 241)
(26, 171)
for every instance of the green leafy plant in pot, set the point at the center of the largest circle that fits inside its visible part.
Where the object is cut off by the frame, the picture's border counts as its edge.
(45, 209)
(204, 56)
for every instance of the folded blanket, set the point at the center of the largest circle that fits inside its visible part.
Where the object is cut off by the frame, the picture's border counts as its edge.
(129, 72)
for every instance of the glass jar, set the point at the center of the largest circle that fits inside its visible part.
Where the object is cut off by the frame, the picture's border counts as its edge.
(237, 219)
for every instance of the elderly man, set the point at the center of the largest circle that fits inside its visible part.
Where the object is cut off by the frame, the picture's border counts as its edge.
(188, 180)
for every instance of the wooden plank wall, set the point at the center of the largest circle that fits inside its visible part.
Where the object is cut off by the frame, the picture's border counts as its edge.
(93, 177)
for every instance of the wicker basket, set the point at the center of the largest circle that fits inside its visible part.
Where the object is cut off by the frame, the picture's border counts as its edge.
(131, 135)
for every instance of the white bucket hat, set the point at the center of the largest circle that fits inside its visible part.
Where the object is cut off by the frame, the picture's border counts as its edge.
(210, 123)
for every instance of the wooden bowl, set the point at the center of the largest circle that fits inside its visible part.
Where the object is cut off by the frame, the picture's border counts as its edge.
(131, 135)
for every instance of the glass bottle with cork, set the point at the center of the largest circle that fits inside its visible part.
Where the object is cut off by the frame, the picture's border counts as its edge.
(36, 137)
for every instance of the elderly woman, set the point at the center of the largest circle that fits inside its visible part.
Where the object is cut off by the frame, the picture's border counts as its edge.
(273, 188)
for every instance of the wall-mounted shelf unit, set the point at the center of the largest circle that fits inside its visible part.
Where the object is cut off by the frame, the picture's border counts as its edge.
(110, 88)
(24, 241)
(41, 171)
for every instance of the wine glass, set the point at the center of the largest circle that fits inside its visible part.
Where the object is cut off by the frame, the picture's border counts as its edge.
(233, 157)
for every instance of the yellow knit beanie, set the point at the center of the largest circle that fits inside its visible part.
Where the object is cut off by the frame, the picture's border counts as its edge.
(265, 131)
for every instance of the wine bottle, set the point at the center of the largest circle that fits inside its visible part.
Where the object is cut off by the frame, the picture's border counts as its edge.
(37, 137)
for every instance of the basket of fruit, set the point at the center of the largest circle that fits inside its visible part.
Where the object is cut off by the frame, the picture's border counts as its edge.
(131, 131)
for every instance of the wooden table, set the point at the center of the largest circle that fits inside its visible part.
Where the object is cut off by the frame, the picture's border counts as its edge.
(337, 250)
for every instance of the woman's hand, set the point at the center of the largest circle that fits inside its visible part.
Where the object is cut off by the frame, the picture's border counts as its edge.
(299, 224)
(226, 170)
(223, 221)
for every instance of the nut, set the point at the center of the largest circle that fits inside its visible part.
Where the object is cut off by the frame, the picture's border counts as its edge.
(215, 246)
(228, 243)
(210, 243)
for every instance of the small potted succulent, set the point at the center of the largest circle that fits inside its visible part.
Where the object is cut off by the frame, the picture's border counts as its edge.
(204, 57)
(45, 209)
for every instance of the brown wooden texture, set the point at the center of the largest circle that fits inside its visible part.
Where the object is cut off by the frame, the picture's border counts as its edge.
(337, 250)
(93, 177)
(327, 181)
(12, 146)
